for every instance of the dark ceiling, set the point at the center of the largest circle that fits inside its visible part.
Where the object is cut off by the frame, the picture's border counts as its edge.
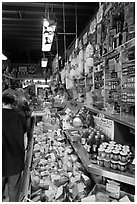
(22, 27)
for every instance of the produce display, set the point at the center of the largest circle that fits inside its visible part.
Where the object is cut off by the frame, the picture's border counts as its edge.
(56, 173)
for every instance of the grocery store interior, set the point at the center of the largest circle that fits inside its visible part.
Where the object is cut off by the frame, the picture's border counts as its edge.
(70, 69)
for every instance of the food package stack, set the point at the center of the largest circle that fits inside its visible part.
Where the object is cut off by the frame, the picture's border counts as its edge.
(56, 173)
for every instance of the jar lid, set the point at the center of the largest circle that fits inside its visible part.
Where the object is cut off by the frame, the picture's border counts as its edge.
(123, 153)
(114, 162)
(110, 147)
(108, 150)
(112, 142)
(101, 149)
(118, 145)
(117, 148)
(115, 151)
(126, 146)
(122, 163)
(105, 143)
(99, 158)
(106, 160)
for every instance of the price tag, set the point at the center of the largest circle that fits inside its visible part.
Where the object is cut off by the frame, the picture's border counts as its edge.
(100, 14)
(105, 125)
(85, 38)
(67, 110)
(113, 190)
(80, 44)
(92, 28)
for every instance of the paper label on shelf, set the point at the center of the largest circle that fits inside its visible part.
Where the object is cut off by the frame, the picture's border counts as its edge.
(105, 125)
(100, 14)
(67, 110)
(92, 28)
(114, 190)
(80, 44)
(76, 43)
(85, 38)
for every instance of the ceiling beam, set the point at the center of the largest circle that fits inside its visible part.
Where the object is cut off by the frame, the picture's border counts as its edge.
(32, 14)
(23, 19)
(23, 6)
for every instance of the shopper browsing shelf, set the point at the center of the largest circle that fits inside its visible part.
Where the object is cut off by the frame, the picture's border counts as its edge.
(14, 127)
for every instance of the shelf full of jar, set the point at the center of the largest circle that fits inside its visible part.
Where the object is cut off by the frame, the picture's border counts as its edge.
(84, 156)
(112, 53)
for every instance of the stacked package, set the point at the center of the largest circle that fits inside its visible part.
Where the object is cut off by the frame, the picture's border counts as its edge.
(56, 173)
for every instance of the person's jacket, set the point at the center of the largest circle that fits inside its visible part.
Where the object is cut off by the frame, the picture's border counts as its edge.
(14, 127)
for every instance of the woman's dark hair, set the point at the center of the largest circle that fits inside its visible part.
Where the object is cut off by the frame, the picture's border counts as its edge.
(8, 99)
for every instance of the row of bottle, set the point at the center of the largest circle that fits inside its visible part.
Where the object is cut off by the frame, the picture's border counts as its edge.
(92, 138)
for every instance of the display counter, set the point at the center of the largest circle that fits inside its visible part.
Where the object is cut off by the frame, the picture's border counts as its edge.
(26, 173)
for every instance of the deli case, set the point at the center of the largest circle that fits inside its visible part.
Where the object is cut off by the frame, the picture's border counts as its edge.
(67, 162)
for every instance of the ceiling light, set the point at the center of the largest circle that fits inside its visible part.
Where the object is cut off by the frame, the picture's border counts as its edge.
(46, 23)
(44, 62)
(4, 57)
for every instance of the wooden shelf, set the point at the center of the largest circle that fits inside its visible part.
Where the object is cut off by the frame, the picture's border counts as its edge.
(128, 121)
(124, 177)
(127, 45)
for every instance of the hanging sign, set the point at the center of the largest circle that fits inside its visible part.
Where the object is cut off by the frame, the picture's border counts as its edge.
(92, 28)
(105, 125)
(47, 37)
(100, 14)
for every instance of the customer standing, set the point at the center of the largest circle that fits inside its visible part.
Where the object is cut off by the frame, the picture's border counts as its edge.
(13, 151)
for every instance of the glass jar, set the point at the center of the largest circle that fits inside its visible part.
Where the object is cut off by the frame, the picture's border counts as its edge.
(107, 163)
(101, 152)
(115, 155)
(100, 161)
(111, 146)
(122, 166)
(105, 144)
(123, 156)
(108, 153)
(112, 142)
(114, 164)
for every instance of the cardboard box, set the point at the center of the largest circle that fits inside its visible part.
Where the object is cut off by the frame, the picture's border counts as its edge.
(99, 187)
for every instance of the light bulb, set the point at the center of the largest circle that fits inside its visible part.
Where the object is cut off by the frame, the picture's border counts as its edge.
(46, 23)
(4, 57)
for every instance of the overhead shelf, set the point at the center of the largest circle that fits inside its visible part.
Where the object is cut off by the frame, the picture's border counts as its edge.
(122, 119)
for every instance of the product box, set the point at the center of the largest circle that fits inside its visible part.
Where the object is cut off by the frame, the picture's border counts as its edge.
(98, 188)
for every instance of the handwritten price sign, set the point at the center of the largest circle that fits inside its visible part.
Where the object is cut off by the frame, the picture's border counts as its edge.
(105, 125)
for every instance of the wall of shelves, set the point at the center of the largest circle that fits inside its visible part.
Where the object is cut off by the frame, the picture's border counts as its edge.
(105, 61)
